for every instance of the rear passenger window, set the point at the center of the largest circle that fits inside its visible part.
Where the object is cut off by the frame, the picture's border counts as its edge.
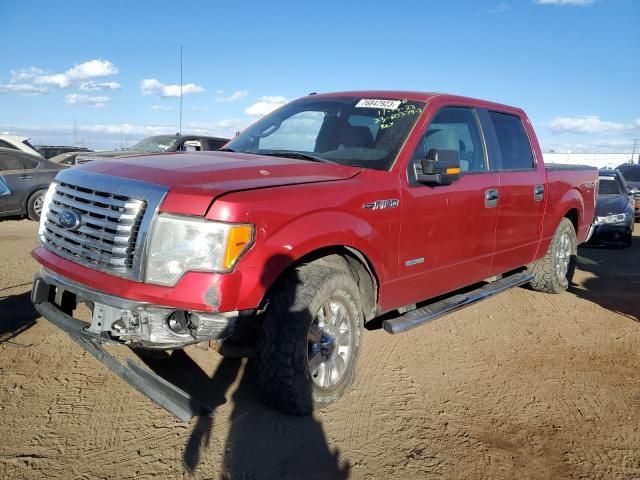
(29, 163)
(515, 148)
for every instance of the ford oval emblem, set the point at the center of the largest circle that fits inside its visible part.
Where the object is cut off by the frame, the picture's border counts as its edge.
(69, 219)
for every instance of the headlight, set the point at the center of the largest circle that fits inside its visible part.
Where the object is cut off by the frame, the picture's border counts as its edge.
(45, 209)
(182, 244)
(618, 218)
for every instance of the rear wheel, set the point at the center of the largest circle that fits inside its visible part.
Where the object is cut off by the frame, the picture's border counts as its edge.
(35, 204)
(553, 272)
(311, 336)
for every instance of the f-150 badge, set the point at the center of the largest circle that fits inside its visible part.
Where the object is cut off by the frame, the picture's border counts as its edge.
(380, 204)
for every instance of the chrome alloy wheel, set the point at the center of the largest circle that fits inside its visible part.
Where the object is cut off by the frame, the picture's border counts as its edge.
(330, 342)
(38, 203)
(563, 256)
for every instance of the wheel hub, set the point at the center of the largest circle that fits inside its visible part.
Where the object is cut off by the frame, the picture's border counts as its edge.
(563, 256)
(329, 344)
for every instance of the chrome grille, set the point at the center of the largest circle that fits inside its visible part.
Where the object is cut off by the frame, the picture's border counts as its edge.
(108, 235)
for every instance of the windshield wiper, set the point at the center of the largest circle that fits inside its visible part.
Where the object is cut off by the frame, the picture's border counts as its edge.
(298, 155)
(226, 149)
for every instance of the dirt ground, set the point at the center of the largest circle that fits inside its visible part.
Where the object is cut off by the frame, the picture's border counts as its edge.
(524, 385)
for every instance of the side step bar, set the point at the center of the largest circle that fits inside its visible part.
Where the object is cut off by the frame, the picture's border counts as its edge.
(428, 313)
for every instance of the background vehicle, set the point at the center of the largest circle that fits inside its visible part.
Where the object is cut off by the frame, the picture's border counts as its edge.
(68, 159)
(50, 151)
(332, 211)
(25, 179)
(631, 174)
(159, 144)
(16, 142)
(614, 211)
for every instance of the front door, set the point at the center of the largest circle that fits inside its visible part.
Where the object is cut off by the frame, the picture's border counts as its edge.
(448, 231)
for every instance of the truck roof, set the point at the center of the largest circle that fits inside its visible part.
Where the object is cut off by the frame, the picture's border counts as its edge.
(422, 97)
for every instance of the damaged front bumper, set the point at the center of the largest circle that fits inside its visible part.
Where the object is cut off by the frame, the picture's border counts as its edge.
(130, 322)
(117, 320)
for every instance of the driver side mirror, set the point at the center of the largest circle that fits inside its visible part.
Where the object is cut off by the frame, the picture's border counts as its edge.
(440, 167)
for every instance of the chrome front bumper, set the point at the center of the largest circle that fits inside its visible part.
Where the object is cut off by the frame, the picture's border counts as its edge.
(119, 320)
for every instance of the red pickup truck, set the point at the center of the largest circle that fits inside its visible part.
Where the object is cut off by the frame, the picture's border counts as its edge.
(335, 210)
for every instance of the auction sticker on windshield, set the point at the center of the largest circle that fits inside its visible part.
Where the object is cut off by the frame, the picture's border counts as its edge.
(378, 103)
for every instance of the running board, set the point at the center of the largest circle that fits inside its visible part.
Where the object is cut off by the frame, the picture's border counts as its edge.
(438, 309)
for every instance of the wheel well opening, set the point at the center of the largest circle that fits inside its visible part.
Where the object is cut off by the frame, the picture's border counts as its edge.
(574, 217)
(351, 261)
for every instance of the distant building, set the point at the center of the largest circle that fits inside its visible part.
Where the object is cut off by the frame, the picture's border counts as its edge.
(600, 160)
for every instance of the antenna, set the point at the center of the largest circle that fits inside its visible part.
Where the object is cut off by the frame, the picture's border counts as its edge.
(180, 126)
(633, 154)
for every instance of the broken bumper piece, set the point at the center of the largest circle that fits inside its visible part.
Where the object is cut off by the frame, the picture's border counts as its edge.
(120, 321)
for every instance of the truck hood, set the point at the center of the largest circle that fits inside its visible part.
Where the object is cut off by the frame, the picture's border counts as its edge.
(196, 179)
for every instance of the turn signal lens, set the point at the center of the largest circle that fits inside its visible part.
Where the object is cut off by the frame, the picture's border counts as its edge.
(240, 238)
(452, 171)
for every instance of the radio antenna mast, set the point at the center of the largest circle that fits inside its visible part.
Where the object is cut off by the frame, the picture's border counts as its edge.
(180, 125)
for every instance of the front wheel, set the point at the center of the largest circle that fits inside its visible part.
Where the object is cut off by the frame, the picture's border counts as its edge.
(553, 273)
(310, 340)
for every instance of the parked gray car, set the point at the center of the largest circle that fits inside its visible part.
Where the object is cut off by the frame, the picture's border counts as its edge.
(24, 180)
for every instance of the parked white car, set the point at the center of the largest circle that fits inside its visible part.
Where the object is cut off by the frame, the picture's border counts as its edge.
(17, 142)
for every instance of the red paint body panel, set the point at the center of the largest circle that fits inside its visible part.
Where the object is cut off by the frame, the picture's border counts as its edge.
(299, 207)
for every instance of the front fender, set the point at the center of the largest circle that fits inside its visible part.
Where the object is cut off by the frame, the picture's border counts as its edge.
(275, 253)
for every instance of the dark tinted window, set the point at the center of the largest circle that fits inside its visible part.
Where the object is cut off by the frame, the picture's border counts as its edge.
(457, 129)
(4, 144)
(513, 141)
(609, 186)
(631, 174)
(10, 162)
(29, 163)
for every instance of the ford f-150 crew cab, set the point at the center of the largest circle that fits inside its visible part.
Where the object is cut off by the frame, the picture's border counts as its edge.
(332, 211)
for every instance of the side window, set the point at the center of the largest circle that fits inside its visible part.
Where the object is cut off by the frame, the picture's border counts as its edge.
(10, 162)
(455, 128)
(4, 144)
(29, 163)
(515, 148)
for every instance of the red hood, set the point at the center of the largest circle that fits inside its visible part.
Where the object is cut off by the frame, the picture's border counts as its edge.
(196, 179)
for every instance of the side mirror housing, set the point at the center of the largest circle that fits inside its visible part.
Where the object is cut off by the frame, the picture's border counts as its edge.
(440, 167)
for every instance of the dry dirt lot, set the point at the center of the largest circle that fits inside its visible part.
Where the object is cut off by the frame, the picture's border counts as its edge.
(524, 385)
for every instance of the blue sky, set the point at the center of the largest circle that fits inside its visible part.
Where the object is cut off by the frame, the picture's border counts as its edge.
(573, 65)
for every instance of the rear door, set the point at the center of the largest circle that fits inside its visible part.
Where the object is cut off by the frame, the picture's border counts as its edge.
(522, 192)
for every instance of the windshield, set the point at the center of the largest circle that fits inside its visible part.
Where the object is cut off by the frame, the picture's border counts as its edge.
(356, 131)
(631, 174)
(609, 186)
(155, 144)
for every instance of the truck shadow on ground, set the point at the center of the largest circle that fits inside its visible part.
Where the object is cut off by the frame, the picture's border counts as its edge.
(261, 442)
(612, 278)
(16, 315)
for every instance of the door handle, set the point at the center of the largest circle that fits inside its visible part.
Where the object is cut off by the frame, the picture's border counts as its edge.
(491, 198)
(25, 177)
(538, 193)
